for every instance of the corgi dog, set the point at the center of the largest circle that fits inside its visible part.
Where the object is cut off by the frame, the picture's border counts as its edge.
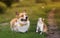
(21, 23)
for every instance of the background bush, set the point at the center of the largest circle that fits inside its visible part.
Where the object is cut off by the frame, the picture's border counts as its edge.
(9, 2)
(2, 7)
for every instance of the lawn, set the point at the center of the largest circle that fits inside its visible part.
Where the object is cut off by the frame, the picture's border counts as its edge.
(5, 32)
(33, 13)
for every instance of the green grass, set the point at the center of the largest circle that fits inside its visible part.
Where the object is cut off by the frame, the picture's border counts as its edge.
(5, 32)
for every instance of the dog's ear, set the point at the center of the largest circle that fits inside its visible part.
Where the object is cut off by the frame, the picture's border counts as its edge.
(17, 15)
(43, 19)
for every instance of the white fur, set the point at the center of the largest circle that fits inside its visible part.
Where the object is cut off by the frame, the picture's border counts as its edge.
(40, 25)
(19, 28)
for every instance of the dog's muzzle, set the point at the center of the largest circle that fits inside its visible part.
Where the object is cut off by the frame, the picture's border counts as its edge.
(24, 19)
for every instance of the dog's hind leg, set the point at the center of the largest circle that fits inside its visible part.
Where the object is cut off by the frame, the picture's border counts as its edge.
(41, 32)
(11, 26)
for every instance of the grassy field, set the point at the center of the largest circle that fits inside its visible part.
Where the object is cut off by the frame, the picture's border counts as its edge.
(5, 32)
(34, 12)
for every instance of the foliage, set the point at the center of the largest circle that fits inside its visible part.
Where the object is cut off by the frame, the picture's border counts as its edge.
(55, 0)
(2, 7)
(9, 2)
(40, 1)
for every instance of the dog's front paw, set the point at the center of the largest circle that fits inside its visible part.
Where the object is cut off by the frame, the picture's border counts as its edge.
(40, 32)
(36, 31)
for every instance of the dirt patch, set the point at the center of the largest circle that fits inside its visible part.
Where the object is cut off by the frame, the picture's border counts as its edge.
(3, 24)
(53, 31)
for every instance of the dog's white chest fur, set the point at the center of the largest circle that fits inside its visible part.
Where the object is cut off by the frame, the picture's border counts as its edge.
(19, 28)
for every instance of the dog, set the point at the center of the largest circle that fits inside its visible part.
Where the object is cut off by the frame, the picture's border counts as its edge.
(21, 23)
(41, 26)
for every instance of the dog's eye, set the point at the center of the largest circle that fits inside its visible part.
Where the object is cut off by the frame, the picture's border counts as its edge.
(22, 15)
(26, 17)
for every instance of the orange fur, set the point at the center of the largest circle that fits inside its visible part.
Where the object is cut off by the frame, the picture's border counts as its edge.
(13, 21)
(45, 28)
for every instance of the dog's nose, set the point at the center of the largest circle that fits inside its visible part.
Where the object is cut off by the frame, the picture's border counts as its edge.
(27, 17)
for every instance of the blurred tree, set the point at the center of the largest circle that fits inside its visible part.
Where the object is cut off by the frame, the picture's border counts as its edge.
(55, 0)
(39, 1)
(3, 7)
(9, 2)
